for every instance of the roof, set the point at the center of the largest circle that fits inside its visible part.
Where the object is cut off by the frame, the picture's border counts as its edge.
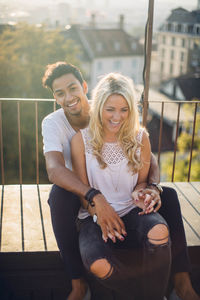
(97, 42)
(181, 15)
(190, 85)
(155, 106)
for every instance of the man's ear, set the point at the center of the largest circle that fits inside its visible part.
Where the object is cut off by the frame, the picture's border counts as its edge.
(85, 87)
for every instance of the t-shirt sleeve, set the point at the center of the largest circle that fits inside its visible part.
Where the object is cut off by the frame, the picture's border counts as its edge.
(51, 136)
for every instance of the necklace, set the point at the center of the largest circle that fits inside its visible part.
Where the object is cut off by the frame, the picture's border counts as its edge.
(112, 174)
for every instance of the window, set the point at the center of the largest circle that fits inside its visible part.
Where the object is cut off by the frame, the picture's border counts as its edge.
(163, 53)
(133, 46)
(172, 54)
(182, 56)
(99, 46)
(117, 46)
(173, 41)
(169, 27)
(162, 67)
(99, 65)
(164, 39)
(171, 69)
(179, 28)
(183, 43)
(181, 69)
(117, 65)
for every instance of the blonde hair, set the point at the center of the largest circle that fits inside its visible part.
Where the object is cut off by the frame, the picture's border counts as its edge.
(115, 83)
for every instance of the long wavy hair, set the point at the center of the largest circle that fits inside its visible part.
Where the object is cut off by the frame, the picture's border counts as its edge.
(115, 83)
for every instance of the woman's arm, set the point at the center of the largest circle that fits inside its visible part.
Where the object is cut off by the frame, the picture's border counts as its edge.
(145, 157)
(111, 224)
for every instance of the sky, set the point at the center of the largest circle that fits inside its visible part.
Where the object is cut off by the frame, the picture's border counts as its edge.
(162, 8)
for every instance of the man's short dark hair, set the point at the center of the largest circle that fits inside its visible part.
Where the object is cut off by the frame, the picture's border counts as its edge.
(58, 69)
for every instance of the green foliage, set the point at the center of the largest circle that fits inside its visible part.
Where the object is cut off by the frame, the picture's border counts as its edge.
(24, 53)
(184, 146)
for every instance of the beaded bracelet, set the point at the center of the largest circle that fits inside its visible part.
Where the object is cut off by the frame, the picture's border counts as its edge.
(90, 195)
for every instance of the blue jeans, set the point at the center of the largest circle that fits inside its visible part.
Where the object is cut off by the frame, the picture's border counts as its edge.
(144, 270)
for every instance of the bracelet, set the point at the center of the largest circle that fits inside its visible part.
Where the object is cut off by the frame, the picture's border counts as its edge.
(90, 195)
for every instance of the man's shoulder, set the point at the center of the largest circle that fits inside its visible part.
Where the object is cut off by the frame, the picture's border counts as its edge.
(55, 115)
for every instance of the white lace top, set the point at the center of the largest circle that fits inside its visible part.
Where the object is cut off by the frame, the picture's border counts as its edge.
(116, 182)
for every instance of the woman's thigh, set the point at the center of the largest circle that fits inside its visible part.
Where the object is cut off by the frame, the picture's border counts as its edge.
(91, 243)
(137, 227)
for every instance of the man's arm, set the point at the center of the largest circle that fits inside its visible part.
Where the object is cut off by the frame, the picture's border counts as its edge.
(154, 172)
(62, 176)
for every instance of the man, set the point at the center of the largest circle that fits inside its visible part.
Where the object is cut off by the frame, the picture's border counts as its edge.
(70, 91)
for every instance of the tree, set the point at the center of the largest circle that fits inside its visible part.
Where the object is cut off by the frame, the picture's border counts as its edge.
(25, 50)
(183, 154)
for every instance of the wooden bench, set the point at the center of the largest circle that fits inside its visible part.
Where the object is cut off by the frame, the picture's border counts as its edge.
(30, 264)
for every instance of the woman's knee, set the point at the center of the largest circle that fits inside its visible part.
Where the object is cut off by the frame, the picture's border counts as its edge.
(158, 234)
(101, 268)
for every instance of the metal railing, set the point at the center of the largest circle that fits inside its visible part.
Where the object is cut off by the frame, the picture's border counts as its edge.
(37, 144)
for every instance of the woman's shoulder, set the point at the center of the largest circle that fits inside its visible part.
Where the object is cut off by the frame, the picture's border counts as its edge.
(142, 133)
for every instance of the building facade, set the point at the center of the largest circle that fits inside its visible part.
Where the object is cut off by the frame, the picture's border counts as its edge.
(179, 43)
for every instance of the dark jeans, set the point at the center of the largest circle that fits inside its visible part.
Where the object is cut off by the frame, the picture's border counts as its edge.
(146, 272)
(64, 207)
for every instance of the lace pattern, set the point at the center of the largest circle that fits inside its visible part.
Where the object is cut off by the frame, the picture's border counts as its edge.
(112, 152)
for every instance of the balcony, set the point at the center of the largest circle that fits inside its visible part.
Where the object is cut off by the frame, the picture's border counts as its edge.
(30, 264)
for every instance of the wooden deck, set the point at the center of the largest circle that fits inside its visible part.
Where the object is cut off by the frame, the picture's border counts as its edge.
(29, 255)
(26, 225)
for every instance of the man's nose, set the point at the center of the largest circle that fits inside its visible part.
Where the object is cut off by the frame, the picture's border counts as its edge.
(68, 97)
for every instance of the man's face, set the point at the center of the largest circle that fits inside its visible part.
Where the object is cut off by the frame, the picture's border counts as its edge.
(70, 94)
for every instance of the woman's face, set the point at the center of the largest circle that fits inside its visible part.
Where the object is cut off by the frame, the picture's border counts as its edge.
(115, 112)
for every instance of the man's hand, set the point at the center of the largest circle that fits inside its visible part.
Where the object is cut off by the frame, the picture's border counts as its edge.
(146, 199)
(111, 224)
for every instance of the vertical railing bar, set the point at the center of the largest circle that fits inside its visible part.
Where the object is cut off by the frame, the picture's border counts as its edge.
(160, 133)
(42, 219)
(192, 144)
(148, 43)
(1, 219)
(20, 172)
(36, 143)
(54, 106)
(37, 175)
(175, 144)
(1, 141)
(19, 142)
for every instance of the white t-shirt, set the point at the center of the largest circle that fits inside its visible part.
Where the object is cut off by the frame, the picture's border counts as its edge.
(116, 182)
(57, 134)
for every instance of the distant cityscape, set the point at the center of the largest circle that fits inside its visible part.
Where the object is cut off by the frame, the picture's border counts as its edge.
(107, 11)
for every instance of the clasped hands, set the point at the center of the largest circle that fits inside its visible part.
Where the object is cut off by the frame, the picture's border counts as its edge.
(111, 224)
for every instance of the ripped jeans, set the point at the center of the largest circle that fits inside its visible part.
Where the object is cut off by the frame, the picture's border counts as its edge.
(139, 267)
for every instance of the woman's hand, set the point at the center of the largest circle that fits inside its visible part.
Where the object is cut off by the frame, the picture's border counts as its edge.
(146, 199)
(111, 224)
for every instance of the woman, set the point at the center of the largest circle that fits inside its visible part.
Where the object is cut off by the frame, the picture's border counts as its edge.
(114, 157)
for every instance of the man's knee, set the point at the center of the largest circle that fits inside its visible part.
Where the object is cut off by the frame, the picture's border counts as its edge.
(101, 268)
(158, 234)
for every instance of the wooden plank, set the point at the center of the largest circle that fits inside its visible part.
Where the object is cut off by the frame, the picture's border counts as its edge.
(11, 225)
(50, 239)
(190, 193)
(33, 236)
(196, 185)
(190, 212)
